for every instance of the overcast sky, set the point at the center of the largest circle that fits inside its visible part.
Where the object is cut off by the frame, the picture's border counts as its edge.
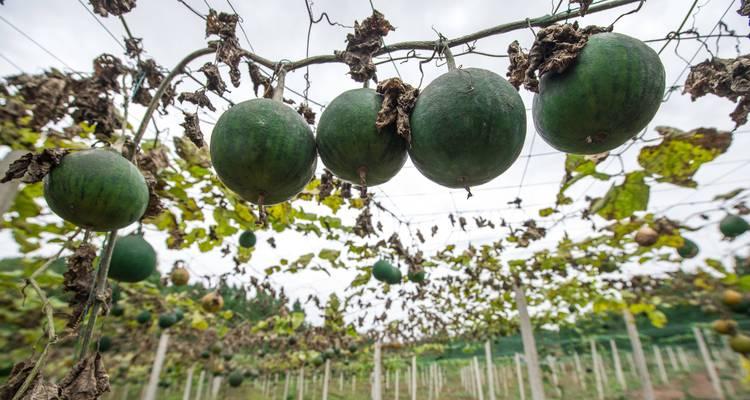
(277, 30)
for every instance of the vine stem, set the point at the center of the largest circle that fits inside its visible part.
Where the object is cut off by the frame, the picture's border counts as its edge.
(449, 60)
(278, 93)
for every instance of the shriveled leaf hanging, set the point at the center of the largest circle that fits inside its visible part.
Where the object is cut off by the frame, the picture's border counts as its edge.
(31, 168)
(88, 380)
(680, 154)
(555, 48)
(363, 44)
(198, 98)
(723, 77)
(621, 201)
(114, 7)
(399, 99)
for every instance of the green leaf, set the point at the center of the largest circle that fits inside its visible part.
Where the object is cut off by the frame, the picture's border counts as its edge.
(680, 154)
(546, 212)
(578, 167)
(623, 200)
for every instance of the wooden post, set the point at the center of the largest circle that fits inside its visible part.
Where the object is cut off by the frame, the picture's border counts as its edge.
(413, 377)
(553, 369)
(672, 359)
(597, 372)
(683, 359)
(286, 386)
(713, 376)
(519, 375)
(301, 384)
(387, 379)
(478, 378)
(490, 377)
(529, 345)
(188, 383)
(639, 357)
(153, 381)
(201, 378)
(8, 190)
(377, 390)
(341, 381)
(618, 366)
(579, 370)
(326, 377)
(398, 371)
(504, 380)
(660, 365)
(602, 369)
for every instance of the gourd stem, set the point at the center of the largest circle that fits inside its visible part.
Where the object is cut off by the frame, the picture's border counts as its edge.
(450, 61)
(278, 93)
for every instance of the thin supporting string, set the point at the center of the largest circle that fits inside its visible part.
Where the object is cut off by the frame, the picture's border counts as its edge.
(102, 25)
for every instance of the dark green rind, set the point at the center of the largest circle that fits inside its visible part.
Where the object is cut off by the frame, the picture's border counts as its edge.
(732, 226)
(394, 276)
(96, 189)
(417, 277)
(166, 320)
(104, 344)
(143, 317)
(381, 270)
(263, 147)
(689, 249)
(235, 378)
(349, 141)
(607, 97)
(133, 259)
(248, 239)
(467, 127)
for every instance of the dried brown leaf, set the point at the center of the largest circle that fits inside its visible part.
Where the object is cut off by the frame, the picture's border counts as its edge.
(744, 9)
(362, 44)
(107, 72)
(47, 94)
(723, 77)
(114, 7)
(583, 4)
(198, 98)
(214, 82)
(193, 129)
(259, 80)
(363, 226)
(399, 99)
(307, 113)
(555, 48)
(34, 167)
(78, 279)
(86, 381)
(155, 206)
(519, 63)
(133, 47)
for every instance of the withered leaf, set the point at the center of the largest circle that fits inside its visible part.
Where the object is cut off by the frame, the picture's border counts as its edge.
(86, 381)
(193, 129)
(48, 94)
(399, 99)
(198, 98)
(221, 24)
(584, 5)
(362, 44)
(519, 63)
(307, 113)
(107, 72)
(555, 48)
(155, 206)
(213, 77)
(258, 80)
(744, 9)
(133, 47)
(34, 167)
(17, 376)
(723, 77)
(363, 226)
(78, 279)
(228, 48)
(114, 7)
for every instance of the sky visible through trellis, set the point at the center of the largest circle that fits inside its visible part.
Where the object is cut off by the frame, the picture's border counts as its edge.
(277, 30)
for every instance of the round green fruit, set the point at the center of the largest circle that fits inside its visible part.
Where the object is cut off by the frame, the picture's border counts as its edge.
(740, 343)
(117, 310)
(382, 270)
(689, 249)
(732, 226)
(205, 354)
(604, 99)
(227, 356)
(179, 314)
(166, 320)
(179, 276)
(394, 276)
(352, 147)
(352, 348)
(318, 360)
(144, 317)
(417, 276)
(329, 353)
(235, 378)
(164, 384)
(104, 344)
(467, 127)
(248, 239)
(96, 189)
(608, 266)
(263, 150)
(133, 259)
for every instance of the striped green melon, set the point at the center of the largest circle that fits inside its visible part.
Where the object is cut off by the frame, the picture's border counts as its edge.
(604, 99)
(263, 150)
(352, 147)
(133, 259)
(96, 189)
(467, 127)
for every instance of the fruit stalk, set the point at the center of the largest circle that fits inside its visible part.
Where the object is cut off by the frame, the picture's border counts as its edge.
(278, 93)
(449, 59)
